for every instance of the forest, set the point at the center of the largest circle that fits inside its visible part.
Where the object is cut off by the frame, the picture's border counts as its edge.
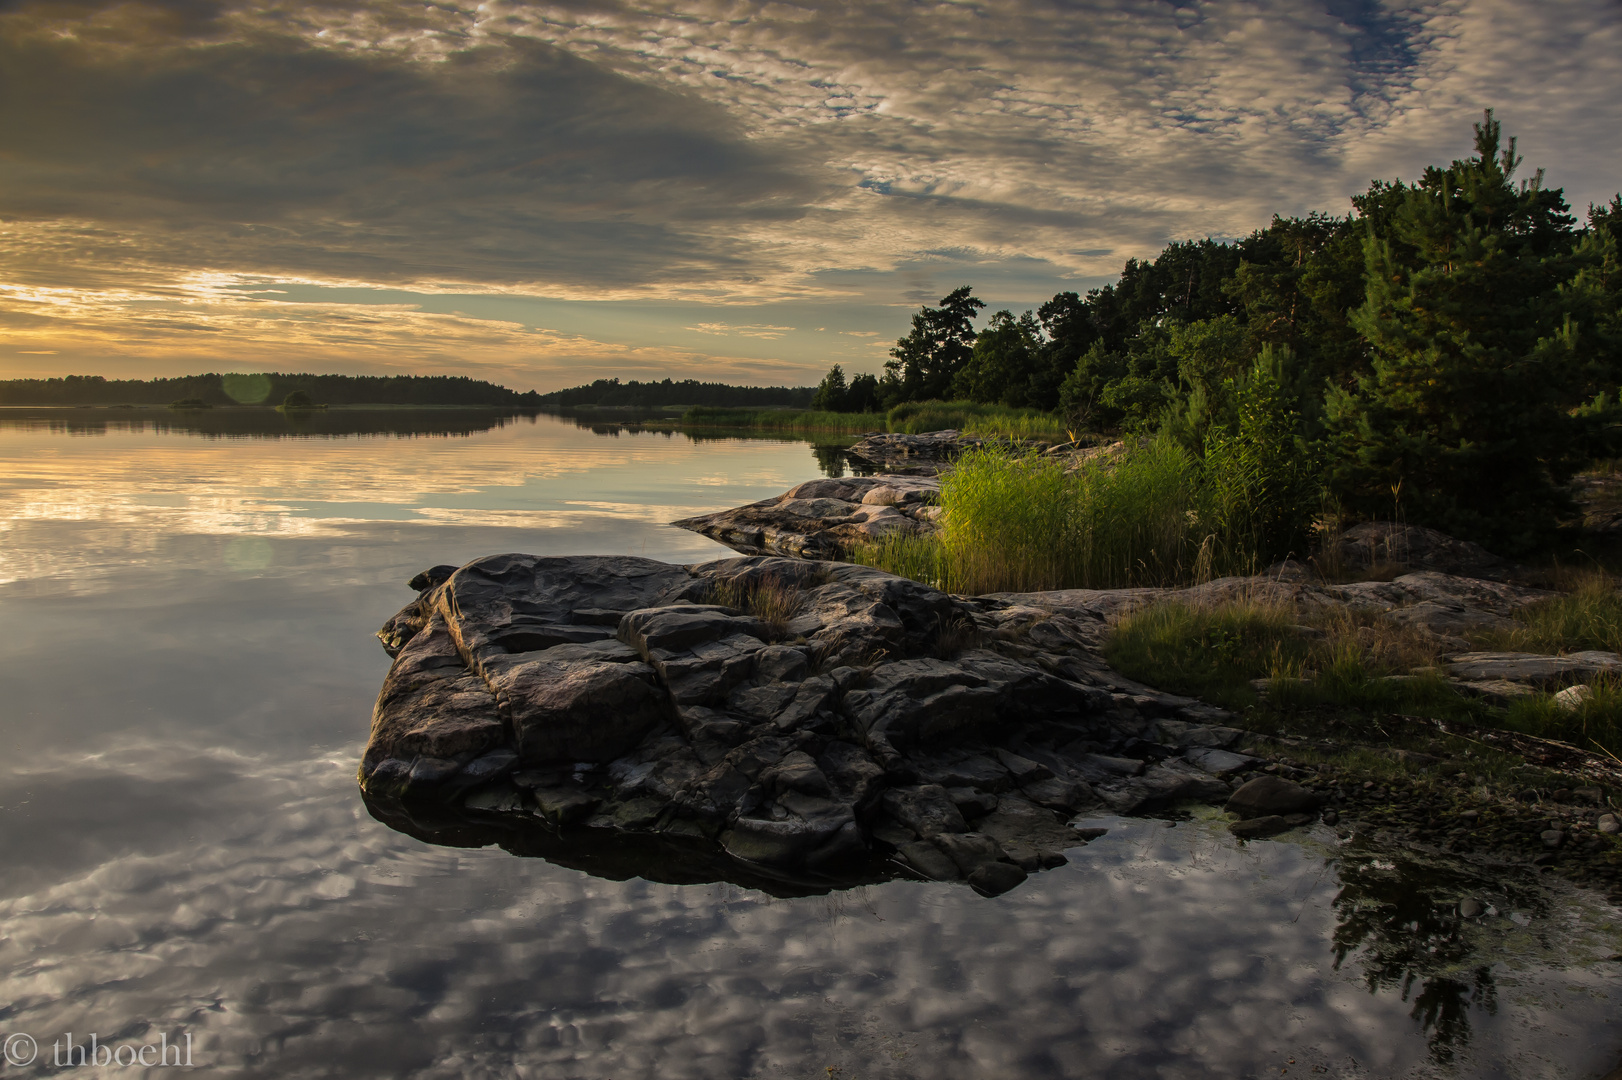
(688, 392)
(1448, 352)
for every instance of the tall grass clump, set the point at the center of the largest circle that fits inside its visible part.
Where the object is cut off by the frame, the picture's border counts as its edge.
(921, 558)
(1593, 722)
(971, 418)
(1009, 523)
(1209, 651)
(1018, 522)
(788, 420)
(1587, 617)
(772, 601)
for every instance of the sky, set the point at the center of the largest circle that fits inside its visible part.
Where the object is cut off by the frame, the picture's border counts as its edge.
(541, 194)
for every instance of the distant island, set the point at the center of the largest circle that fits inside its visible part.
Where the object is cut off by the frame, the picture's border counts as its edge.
(275, 388)
(611, 393)
(267, 388)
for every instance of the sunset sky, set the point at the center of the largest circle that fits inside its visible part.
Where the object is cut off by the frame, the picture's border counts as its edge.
(545, 193)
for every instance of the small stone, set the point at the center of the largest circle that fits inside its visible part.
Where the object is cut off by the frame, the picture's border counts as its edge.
(929, 860)
(1470, 907)
(1331, 818)
(994, 879)
(1591, 795)
(1609, 824)
(1470, 817)
(1573, 698)
(565, 806)
(1272, 795)
(1561, 795)
(1255, 828)
(1368, 785)
(1552, 838)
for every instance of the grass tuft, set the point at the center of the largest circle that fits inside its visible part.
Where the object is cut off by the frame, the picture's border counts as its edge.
(772, 601)
(1589, 616)
(1595, 722)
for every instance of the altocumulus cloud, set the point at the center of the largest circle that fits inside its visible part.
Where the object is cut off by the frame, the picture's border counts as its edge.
(728, 153)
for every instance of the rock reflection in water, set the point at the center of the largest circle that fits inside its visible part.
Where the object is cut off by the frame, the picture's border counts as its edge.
(664, 859)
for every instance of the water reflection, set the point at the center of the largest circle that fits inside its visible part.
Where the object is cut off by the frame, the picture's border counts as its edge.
(186, 689)
(263, 423)
(1399, 917)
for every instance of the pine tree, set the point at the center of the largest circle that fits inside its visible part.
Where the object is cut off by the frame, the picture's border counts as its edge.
(1464, 420)
(940, 343)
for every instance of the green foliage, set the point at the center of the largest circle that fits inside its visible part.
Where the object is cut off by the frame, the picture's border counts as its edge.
(1587, 617)
(833, 395)
(235, 389)
(786, 420)
(1594, 722)
(1020, 522)
(831, 392)
(1216, 651)
(921, 558)
(1261, 479)
(1208, 651)
(298, 399)
(1449, 351)
(1006, 366)
(918, 417)
(924, 362)
(1476, 364)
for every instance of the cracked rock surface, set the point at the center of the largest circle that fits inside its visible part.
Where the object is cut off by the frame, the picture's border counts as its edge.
(841, 724)
(825, 519)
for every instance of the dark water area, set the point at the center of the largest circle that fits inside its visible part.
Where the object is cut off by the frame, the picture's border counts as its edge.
(186, 679)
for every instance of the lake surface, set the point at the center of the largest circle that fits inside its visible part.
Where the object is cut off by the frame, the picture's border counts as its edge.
(187, 672)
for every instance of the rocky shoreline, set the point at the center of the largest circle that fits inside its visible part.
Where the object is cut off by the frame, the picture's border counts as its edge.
(795, 723)
(807, 724)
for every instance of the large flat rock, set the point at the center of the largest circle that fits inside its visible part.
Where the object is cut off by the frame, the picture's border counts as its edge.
(801, 719)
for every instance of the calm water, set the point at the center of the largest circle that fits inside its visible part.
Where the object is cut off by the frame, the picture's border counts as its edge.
(186, 674)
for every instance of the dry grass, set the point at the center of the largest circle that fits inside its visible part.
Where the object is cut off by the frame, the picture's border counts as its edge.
(772, 601)
(1587, 615)
(1215, 651)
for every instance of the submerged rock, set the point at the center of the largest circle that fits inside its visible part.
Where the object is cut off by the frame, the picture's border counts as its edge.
(823, 719)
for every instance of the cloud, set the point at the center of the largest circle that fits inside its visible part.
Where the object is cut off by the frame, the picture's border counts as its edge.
(741, 153)
(753, 330)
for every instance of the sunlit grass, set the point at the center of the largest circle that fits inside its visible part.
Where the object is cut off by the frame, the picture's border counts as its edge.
(919, 417)
(1589, 616)
(787, 420)
(913, 418)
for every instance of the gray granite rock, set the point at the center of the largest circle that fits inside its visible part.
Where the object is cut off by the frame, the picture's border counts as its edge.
(637, 703)
(1267, 795)
(1532, 668)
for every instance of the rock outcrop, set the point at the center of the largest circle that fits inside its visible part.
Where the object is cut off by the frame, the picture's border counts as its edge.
(825, 519)
(799, 722)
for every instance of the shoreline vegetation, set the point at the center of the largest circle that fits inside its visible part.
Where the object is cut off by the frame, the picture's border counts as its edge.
(911, 418)
(1449, 356)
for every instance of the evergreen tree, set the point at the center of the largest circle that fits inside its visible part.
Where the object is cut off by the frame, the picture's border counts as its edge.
(1463, 421)
(941, 341)
(1005, 365)
(831, 392)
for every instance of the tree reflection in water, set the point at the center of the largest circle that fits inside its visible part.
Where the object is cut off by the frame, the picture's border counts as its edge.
(1398, 919)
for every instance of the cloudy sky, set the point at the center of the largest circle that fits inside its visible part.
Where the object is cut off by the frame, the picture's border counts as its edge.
(545, 193)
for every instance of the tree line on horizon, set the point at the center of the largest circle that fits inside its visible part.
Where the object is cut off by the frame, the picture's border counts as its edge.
(263, 388)
(1449, 351)
(653, 394)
